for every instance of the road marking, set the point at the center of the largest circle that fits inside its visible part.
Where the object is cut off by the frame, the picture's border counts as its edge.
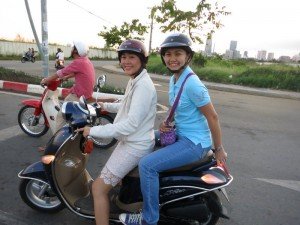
(157, 85)
(291, 184)
(8, 218)
(10, 132)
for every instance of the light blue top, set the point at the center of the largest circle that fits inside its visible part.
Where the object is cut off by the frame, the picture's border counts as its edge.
(189, 120)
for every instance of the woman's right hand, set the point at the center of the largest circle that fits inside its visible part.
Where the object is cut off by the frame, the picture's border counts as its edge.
(164, 127)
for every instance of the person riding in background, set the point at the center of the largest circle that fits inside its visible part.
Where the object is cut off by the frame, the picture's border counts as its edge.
(197, 128)
(59, 55)
(133, 126)
(82, 69)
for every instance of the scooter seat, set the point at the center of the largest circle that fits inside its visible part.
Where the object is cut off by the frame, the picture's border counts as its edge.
(189, 167)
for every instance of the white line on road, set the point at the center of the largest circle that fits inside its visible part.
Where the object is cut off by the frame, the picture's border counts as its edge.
(291, 184)
(10, 132)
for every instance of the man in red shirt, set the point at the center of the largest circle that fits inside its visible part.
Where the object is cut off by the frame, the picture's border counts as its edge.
(82, 69)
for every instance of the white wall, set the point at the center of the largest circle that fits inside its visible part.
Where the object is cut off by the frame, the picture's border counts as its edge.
(18, 48)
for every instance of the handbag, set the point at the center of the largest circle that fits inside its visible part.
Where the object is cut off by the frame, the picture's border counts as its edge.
(169, 137)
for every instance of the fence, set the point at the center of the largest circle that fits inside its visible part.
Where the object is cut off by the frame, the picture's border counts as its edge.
(18, 48)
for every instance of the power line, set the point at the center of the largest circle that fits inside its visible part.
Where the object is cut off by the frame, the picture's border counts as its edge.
(89, 12)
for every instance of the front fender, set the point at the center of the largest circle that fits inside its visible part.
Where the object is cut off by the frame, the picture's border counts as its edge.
(35, 171)
(32, 102)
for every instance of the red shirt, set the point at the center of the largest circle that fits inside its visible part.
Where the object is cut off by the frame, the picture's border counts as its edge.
(84, 72)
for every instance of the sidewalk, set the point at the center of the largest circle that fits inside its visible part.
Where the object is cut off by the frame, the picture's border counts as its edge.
(217, 86)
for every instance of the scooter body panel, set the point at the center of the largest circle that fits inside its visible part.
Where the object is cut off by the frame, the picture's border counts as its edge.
(34, 171)
(50, 103)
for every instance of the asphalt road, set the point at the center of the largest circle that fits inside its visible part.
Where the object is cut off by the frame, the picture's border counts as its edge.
(261, 136)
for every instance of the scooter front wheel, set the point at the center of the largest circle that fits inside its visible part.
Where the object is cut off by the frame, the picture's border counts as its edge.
(23, 60)
(39, 196)
(30, 124)
(104, 143)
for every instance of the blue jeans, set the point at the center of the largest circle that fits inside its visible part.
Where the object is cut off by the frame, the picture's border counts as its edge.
(182, 152)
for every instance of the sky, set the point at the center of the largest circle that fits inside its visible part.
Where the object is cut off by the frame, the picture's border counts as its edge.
(270, 25)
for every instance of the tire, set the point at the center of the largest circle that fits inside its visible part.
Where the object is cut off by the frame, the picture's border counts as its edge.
(32, 60)
(212, 218)
(31, 192)
(25, 118)
(23, 60)
(104, 143)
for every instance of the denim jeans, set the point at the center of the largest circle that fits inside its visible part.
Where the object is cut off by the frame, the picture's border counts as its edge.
(182, 152)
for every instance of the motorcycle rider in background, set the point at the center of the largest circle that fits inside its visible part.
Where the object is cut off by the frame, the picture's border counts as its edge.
(60, 58)
(82, 69)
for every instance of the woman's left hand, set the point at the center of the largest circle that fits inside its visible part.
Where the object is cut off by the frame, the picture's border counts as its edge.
(86, 131)
(221, 155)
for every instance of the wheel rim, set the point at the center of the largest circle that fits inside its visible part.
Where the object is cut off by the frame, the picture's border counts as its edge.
(102, 141)
(41, 195)
(26, 121)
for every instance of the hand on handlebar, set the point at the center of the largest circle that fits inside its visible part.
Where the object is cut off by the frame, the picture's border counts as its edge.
(85, 130)
(44, 82)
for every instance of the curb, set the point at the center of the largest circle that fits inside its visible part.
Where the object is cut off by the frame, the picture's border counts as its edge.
(220, 87)
(37, 89)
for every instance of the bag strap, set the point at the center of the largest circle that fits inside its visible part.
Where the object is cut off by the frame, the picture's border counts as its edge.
(177, 99)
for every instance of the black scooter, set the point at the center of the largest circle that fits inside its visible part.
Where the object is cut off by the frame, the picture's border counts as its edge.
(188, 195)
(27, 58)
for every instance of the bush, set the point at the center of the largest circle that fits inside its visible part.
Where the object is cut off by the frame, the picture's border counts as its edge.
(199, 60)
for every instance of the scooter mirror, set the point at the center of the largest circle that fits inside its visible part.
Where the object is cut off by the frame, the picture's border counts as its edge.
(101, 80)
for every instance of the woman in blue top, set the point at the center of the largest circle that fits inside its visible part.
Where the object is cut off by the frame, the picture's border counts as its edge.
(197, 128)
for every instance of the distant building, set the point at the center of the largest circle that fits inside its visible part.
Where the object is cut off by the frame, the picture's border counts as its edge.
(208, 47)
(296, 58)
(262, 55)
(245, 55)
(232, 53)
(284, 58)
(270, 56)
(233, 45)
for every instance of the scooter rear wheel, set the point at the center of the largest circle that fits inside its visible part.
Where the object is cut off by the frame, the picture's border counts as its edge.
(32, 128)
(39, 196)
(104, 143)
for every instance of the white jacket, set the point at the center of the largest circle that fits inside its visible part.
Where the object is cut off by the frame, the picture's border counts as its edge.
(135, 113)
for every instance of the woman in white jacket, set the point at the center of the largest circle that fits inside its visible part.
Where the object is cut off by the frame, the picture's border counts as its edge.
(133, 126)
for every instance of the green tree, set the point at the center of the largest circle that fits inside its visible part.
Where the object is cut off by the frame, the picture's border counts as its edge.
(201, 22)
(116, 35)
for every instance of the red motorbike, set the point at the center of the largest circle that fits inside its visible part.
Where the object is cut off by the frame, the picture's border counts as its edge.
(38, 115)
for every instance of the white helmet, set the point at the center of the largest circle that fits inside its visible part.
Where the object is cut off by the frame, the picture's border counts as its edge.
(81, 48)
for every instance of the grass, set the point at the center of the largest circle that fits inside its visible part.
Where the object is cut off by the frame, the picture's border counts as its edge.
(241, 72)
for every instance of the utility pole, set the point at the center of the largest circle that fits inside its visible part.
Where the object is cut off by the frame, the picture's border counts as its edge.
(43, 49)
(151, 28)
(45, 38)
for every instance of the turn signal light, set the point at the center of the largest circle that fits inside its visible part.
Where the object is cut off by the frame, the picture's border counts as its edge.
(47, 159)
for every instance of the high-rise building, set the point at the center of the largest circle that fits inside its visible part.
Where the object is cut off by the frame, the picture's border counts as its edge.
(232, 53)
(208, 46)
(233, 45)
(270, 56)
(261, 55)
(245, 56)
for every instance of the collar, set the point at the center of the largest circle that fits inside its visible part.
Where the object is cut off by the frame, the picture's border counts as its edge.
(137, 78)
(182, 76)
